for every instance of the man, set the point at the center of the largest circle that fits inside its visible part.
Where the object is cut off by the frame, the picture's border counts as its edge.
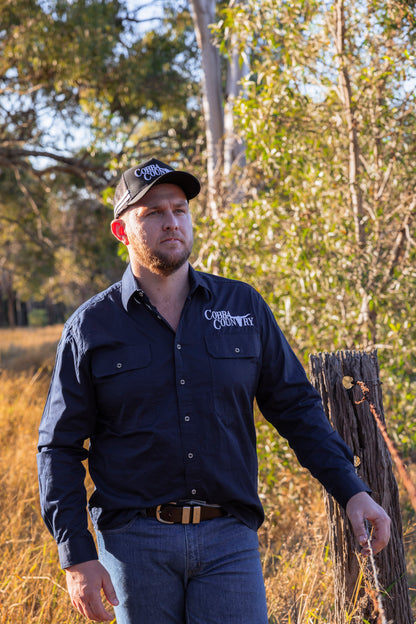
(159, 373)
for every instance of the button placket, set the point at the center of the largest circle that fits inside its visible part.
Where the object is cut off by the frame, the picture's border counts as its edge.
(185, 405)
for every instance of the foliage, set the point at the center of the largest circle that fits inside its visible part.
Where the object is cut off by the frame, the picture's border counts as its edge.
(337, 276)
(83, 88)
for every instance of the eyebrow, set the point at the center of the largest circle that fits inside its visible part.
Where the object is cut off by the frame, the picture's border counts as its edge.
(156, 204)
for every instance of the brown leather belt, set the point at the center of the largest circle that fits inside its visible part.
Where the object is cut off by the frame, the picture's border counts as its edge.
(171, 513)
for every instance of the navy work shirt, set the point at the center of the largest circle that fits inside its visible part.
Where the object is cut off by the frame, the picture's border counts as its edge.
(169, 416)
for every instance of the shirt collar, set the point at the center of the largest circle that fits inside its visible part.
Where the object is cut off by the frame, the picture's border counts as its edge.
(199, 280)
(129, 285)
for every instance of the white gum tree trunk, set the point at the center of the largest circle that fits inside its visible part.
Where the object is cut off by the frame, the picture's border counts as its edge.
(203, 13)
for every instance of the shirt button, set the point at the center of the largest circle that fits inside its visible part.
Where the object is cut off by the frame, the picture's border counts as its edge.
(179, 346)
(193, 492)
(190, 455)
(237, 350)
(187, 418)
(182, 382)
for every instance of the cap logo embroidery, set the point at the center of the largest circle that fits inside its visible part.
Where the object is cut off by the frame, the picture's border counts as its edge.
(151, 171)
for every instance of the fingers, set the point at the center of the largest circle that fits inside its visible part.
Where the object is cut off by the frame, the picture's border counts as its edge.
(381, 532)
(109, 591)
(360, 508)
(85, 582)
(93, 610)
(91, 607)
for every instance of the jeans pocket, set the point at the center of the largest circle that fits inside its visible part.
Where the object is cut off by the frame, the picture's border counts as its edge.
(125, 526)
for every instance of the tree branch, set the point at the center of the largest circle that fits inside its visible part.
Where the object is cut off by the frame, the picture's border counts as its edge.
(402, 235)
(354, 149)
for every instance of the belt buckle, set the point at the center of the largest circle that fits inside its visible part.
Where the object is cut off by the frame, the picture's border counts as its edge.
(185, 514)
(157, 513)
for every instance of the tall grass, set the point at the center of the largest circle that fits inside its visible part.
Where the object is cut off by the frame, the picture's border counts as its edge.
(293, 538)
(28, 348)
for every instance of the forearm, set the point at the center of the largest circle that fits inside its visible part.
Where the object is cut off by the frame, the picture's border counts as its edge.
(63, 504)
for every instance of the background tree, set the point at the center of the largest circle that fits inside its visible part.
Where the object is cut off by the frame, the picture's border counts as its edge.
(328, 116)
(223, 68)
(83, 88)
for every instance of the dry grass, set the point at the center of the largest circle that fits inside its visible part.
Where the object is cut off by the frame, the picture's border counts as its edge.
(32, 586)
(27, 348)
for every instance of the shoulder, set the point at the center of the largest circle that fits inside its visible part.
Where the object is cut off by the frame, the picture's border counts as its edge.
(232, 292)
(98, 307)
(218, 282)
(233, 299)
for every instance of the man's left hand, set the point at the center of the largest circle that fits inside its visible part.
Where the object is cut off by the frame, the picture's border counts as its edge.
(362, 507)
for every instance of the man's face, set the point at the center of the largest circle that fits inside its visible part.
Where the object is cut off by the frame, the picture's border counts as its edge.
(159, 229)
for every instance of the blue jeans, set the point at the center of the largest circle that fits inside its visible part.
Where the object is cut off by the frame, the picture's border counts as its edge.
(207, 573)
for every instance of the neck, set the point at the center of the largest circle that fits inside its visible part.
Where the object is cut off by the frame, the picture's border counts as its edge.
(166, 292)
(156, 284)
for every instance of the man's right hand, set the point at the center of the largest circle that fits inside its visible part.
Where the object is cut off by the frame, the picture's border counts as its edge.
(85, 582)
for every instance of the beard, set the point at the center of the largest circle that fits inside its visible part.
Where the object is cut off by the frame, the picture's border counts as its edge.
(161, 262)
(165, 263)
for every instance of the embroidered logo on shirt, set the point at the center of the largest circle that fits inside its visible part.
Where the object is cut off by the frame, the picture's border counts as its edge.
(223, 318)
(151, 171)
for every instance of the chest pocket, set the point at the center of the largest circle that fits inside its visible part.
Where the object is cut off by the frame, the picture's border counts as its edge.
(235, 364)
(233, 346)
(124, 379)
(108, 363)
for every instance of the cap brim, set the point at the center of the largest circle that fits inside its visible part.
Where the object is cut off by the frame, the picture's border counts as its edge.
(186, 181)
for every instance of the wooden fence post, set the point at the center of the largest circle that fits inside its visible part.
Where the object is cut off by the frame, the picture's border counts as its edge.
(355, 423)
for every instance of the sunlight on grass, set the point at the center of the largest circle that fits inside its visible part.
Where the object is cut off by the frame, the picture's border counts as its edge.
(28, 347)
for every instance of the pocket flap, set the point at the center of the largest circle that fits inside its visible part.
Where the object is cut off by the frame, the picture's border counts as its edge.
(111, 362)
(233, 346)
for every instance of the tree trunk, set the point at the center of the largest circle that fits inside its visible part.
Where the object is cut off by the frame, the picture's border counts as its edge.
(347, 104)
(367, 317)
(234, 149)
(10, 296)
(203, 14)
(352, 418)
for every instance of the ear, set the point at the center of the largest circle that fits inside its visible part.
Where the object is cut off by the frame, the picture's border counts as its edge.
(118, 228)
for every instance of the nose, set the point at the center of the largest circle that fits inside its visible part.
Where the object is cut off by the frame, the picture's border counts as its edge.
(170, 222)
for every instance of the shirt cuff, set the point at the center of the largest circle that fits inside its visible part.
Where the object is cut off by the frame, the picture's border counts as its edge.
(77, 550)
(347, 488)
